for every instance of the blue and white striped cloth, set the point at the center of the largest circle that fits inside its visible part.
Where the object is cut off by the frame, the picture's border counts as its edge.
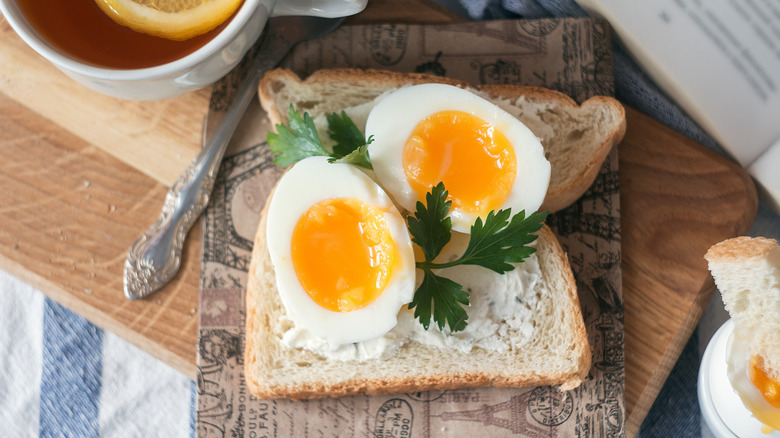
(61, 376)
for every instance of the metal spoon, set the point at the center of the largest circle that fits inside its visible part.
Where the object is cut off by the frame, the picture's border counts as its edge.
(156, 257)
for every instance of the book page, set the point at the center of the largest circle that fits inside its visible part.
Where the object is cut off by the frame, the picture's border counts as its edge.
(718, 59)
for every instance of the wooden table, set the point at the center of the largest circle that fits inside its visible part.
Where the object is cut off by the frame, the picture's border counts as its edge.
(83, 175)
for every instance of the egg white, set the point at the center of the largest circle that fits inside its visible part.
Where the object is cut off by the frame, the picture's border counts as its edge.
(737, 363)
(313, 180)
(394, 118)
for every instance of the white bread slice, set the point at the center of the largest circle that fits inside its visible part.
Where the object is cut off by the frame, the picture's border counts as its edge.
(747, 273)
(558, 354)
(576, 138)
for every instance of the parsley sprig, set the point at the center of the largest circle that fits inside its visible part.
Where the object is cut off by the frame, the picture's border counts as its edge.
(496, 243)
(299, 139)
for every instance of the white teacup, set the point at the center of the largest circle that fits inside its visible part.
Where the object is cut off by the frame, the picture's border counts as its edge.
(201, 68)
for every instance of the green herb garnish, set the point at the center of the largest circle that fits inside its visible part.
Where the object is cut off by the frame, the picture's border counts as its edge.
(299, 139)
(493, 244)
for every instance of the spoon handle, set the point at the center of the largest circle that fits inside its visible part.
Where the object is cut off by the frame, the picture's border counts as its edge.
(156, 256)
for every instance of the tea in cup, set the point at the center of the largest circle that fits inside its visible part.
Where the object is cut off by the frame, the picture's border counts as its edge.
(90, 47)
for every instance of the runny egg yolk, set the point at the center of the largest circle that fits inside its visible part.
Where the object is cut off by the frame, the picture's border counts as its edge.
(768, 387)
(343, 253)
(475, 160)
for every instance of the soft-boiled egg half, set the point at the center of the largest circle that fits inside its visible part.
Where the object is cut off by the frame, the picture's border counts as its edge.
(431, 133)
(759, 392)
(342, 257)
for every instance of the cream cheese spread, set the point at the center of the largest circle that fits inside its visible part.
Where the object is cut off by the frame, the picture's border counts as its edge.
(500, 315)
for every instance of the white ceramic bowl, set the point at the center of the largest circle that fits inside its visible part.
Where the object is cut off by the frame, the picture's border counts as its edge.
(196, 70)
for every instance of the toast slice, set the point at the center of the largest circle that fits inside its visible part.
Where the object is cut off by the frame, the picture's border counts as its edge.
(747, 273)
(557, 352)
(576, 138)
(551, 347)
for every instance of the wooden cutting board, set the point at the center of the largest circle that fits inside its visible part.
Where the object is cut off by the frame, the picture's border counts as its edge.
(83, 175)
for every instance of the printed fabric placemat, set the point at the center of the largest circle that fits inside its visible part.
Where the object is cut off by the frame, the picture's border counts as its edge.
(569, 55)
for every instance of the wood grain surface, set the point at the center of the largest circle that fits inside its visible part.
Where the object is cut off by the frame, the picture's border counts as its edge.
(68, 213)
(676, 200)
(83, 175)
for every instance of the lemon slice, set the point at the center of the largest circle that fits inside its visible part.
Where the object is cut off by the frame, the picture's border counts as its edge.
(171, 19)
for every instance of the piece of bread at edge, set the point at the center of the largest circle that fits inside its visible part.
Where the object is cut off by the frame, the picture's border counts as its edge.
(559, 352)
(576, 138)
(747, 273)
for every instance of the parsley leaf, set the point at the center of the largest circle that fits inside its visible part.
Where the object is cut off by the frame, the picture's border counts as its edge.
(299, 139)
(494, 244)
(430, 227)
(358, 157)
(445, 298)
(345, 133)
(501, 242)
(296, 142)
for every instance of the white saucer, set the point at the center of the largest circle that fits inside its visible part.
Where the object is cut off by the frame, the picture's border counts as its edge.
(720, 405)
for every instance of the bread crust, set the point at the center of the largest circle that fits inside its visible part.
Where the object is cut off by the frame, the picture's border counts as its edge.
(559, 195)
(259, 341)
(739, 249)
(377, 78)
